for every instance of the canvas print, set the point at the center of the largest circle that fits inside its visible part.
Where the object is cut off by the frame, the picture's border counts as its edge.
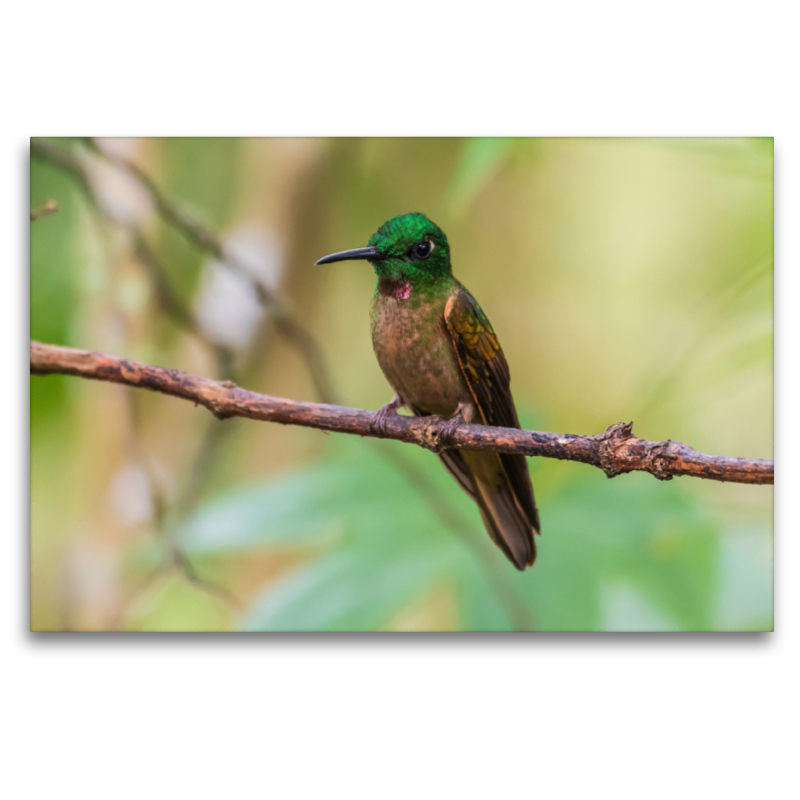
(413, 384)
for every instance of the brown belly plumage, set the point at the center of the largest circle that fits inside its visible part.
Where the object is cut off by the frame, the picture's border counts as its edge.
(415, 352)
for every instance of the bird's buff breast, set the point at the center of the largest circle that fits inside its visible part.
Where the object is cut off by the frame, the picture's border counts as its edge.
(415, 352)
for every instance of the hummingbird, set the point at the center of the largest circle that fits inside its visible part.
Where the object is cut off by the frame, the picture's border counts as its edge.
(442, 358)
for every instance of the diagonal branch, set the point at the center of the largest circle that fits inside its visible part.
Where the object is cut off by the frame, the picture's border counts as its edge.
(615, 451)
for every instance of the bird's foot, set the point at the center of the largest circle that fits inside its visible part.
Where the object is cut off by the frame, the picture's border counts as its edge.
(381, 416)
(447, 429)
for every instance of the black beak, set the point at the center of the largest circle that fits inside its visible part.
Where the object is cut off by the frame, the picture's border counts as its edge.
(370, 253)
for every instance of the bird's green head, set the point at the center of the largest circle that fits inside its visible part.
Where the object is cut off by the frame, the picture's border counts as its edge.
(406, 248)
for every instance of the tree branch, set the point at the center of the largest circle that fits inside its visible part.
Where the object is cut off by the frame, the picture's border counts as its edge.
(615, 451)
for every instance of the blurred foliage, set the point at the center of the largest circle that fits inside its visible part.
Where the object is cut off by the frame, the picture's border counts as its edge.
(54, 271)
(196, 168)
(627, 279)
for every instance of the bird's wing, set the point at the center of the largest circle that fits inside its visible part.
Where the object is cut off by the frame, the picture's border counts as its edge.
(486, 373)
(481, 359)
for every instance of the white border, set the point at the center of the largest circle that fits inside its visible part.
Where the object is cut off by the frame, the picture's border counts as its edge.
(550, 716)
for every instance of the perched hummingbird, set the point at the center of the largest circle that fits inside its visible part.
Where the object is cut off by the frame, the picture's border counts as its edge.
(441, 357)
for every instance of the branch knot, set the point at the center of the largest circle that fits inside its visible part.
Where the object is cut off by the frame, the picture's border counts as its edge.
(661, 456)
(432, 436)
(612, 445)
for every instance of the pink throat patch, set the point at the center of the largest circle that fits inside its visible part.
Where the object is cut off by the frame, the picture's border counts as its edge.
(399, 290)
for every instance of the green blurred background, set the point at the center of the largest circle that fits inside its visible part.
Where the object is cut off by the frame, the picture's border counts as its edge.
(627, 279)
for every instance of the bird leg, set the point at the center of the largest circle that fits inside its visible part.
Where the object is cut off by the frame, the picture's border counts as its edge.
(380, 417)
(464, 413)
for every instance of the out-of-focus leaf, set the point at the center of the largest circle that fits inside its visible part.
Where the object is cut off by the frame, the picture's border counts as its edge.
(351, 590)
(307, 507)
(391, 546)
(643, 538)
(563, 586)
(745, 598)
(633, 531)
(479, 608)
(627, 610)
(675, 565)
(357, 495)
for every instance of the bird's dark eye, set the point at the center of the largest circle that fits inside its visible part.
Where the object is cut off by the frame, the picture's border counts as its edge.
(422, 249)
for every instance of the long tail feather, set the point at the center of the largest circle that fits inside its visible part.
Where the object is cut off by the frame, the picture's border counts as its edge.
(495, 482)
(504, 517)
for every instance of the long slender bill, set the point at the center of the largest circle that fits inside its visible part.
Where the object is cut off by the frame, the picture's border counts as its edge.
(352, 255)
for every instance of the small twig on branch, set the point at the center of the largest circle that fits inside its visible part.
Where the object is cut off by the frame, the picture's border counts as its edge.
(615, 451)
(44, 210)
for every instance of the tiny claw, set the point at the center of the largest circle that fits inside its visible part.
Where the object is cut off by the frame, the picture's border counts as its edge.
(379, 419)
(447, 429)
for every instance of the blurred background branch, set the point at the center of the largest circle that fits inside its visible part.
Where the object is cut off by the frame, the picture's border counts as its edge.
(44, 210)
(616, 451)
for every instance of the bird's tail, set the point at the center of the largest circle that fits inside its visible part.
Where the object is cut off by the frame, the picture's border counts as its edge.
(510, 523)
